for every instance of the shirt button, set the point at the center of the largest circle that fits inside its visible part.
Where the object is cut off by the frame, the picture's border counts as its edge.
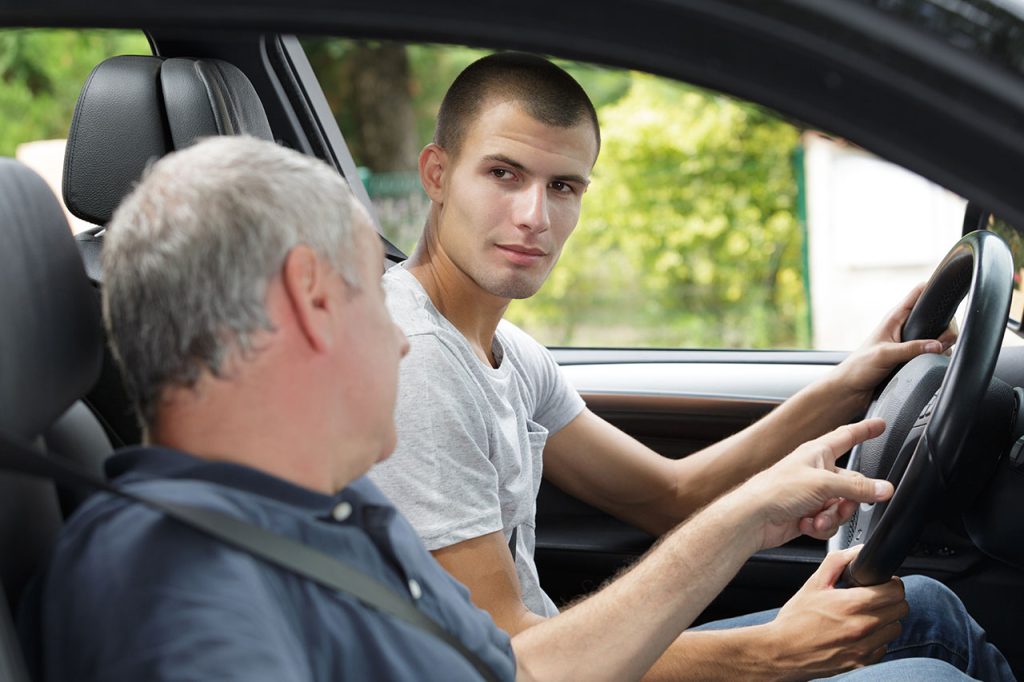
(414, 589)
(342, 511)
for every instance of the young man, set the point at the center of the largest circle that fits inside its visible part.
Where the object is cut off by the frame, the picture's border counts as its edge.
(241, 293)
(483, 408)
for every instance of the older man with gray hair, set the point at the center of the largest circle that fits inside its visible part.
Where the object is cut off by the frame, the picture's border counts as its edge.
(242, 296)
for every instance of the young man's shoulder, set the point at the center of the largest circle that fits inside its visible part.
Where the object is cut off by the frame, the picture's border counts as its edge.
(409, 304)
(519, 341)
(437, 350)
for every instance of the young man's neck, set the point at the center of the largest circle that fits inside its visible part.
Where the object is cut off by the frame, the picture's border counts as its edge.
(471, 310)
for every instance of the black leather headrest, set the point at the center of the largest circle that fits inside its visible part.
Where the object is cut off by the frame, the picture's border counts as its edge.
(50, 338)
(134, 109)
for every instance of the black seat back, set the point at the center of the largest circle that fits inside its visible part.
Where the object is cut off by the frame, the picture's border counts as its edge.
(50, 353)
(133, 110)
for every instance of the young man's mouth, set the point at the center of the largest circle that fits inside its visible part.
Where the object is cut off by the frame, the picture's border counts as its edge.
(521, 255)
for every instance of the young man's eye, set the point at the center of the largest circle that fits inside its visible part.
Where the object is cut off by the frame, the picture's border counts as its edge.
(563, 187)
(501, 173)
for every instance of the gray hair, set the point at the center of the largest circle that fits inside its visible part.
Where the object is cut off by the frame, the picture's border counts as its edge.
(189, 254)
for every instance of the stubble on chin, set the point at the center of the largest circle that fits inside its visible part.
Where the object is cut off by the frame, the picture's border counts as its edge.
(513, 285)
(516, 288)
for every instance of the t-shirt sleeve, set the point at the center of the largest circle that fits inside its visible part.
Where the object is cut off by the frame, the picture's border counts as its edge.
(557, 401)
(440, 475)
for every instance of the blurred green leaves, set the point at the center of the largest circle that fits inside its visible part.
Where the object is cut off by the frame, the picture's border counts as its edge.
(42, 72)
(689, 235)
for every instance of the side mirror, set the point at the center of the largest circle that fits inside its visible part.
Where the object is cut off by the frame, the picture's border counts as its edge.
(978, 218)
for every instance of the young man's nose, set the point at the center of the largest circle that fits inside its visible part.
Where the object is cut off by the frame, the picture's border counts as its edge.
(532, 208)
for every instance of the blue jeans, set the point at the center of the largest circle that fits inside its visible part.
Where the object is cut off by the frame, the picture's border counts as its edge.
(939, 640)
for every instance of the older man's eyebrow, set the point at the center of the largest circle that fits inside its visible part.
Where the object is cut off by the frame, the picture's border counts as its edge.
(501, 158)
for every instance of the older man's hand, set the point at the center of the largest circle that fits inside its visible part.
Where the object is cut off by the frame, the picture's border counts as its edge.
(805, 493)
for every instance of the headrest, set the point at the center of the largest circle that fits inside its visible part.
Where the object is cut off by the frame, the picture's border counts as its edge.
(50, 329)
(134, 109)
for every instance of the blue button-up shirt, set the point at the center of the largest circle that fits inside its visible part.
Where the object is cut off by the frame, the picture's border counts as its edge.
(133, 595)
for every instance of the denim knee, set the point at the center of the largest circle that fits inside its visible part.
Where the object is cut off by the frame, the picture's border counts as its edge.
(921, 590)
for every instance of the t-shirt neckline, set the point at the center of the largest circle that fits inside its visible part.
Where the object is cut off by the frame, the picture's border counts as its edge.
(497, 346)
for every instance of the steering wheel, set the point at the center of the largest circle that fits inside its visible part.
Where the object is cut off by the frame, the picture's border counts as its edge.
(929, 407)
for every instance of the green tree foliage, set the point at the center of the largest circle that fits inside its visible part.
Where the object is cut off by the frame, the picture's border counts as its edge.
(434, 67)
(42, 72)
(689, 236)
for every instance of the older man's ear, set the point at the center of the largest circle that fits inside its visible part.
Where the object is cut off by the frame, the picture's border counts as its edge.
(306, 282)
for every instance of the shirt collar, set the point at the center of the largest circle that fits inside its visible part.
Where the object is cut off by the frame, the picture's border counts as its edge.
(135, 463)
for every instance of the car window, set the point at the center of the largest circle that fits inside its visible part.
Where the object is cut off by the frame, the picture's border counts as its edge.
(42, 71)
(709, 223)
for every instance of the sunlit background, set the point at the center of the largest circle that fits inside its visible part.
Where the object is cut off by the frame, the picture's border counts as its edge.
(710, 223)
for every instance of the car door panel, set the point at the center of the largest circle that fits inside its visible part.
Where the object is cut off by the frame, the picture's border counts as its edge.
(677, 407)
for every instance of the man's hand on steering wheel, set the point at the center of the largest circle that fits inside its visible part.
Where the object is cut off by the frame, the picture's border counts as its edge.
(823, 631)
(931, 404)
(805, 493)
(884, 351)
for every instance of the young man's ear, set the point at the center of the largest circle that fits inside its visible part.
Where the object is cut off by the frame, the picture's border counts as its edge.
(433, 164)
(306, 281)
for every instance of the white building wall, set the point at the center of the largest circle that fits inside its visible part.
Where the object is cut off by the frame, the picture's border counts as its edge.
(874, 231)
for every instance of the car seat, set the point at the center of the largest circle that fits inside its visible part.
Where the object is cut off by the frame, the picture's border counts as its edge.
(133, 110)
(50, 354)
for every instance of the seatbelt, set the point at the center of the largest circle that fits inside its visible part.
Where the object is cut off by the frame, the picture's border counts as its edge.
(261, 543)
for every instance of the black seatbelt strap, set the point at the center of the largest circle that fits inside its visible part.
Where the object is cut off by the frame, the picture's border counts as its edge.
(261, 543)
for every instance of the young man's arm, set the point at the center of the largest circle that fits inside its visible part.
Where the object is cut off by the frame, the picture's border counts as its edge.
(598, 463)
(620, 632)
(486, 567)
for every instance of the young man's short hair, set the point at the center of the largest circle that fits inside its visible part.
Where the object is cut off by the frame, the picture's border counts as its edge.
(546, 92)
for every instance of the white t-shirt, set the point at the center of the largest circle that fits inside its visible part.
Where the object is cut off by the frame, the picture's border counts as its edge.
(470, 436)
